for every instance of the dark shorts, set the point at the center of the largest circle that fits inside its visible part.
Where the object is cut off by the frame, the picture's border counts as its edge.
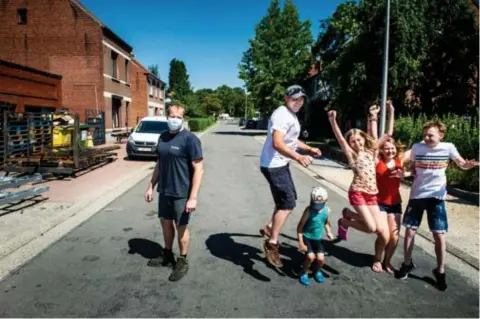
(173, 208)
(436, 214)
(281, 185)
(391, 209)
(313, 246)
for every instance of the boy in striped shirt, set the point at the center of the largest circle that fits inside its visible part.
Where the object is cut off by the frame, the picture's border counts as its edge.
(430, 159)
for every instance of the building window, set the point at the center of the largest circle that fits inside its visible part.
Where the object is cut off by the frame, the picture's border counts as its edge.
(113, 60)
(22, 16)
(150, 92)
(126, 71)
(116, 104)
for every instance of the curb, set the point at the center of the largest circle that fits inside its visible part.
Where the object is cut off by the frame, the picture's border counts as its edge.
(78, 214)
(465, 257)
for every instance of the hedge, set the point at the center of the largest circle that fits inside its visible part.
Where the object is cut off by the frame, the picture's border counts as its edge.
(461, 131)
(199, 124)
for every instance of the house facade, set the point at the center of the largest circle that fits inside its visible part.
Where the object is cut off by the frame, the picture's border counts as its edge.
(148, 93)
(24, 89)
(63, 37)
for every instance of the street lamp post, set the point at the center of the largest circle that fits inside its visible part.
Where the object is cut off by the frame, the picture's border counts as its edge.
(246, 104)
(385, 71)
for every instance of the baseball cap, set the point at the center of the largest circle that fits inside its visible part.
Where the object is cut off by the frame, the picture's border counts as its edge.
(319, 194)
(295, 91)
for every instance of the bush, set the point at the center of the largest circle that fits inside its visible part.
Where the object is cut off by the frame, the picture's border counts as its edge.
(461, 131)
(199, 124)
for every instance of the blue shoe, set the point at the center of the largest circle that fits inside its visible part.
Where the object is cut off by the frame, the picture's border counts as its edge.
(319, 276)
(304, 280)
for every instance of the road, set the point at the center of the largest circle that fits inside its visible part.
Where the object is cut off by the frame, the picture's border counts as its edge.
(99, 269)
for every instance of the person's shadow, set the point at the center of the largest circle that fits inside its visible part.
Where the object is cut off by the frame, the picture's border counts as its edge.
(145, 248)
(223, 246)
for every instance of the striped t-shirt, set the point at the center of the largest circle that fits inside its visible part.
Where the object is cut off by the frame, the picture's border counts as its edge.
(430, 164)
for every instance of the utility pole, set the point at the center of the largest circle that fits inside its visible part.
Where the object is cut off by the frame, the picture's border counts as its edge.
(385, 71)
(246, 103)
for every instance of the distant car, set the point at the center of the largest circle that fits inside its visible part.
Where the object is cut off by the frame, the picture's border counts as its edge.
(251, 124)
(143, 140)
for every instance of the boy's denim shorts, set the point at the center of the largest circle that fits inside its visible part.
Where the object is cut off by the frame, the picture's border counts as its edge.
(436, 214)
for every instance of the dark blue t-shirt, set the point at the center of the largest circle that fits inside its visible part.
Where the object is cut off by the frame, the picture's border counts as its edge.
(176, 152)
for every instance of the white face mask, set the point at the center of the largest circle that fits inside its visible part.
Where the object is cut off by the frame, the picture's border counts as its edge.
(174, 124)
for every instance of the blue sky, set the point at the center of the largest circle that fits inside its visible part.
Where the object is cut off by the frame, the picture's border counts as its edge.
(208, 35)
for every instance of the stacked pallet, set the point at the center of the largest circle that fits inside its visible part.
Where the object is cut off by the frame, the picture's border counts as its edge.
(29, 135)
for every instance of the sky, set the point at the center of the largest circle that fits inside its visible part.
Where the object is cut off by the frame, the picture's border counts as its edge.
(209, 36)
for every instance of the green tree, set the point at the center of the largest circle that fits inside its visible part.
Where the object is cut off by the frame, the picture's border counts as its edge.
(279, 55)
(154, 70)
(178, 80)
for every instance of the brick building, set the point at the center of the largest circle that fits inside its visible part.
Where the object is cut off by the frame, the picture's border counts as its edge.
(62, 37)
(148, 93)
(24, 89)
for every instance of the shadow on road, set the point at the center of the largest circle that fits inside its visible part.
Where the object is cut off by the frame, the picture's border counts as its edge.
(241, 133)
(223, 246)
(346, 255)
(146, 248)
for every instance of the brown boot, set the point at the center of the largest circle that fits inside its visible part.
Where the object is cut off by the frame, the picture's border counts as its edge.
(272, 254)
(266, 232)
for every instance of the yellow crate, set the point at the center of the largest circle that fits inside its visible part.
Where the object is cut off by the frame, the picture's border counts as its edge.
(62, 136)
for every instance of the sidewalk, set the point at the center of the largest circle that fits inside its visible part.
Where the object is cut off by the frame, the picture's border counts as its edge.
(463, 219)
(22, 223)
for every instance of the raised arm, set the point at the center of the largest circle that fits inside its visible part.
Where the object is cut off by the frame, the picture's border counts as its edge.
(373, 121)
(332, 117)
(391, 117)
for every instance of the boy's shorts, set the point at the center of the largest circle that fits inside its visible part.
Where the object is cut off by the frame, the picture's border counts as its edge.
(390, 209)
(436, 214)
(313, 246)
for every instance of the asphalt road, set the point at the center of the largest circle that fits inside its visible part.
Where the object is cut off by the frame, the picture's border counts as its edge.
(99, 269)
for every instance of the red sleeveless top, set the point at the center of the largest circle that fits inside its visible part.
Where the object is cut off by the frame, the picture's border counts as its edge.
(388, 188)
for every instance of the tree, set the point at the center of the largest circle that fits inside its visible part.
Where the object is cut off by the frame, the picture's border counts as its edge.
(154, 70)
(178, 80)
(278, 56)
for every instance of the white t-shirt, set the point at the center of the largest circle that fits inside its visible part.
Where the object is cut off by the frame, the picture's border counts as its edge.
(431, 163)
(285, 121)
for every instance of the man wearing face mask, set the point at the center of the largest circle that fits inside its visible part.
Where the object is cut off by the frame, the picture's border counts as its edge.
(178, 173)
(279, 149)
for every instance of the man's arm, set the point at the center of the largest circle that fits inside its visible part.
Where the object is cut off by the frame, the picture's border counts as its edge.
(303, 146)
(197, 178)
(279, 145)
(155, 175)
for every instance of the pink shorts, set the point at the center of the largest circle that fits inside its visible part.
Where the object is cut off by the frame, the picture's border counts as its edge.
(361, 198)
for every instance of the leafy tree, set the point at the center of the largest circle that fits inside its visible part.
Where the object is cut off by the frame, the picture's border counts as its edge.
(279, 55)
(178, 80)
(154, 70)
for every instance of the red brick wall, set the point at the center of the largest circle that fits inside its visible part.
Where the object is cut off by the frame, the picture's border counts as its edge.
(61, 39)
(139, 106)
(22, 87)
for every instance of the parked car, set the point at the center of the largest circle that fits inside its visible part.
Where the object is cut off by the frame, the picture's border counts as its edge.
(142, 141)
(251, 124)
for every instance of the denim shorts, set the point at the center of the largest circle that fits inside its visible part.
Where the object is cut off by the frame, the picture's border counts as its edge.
(281, 185)
(436, 214)
(390, 209)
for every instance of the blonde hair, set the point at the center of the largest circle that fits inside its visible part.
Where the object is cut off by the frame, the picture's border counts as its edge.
(438, 124)
(176, 107)
(370, 143)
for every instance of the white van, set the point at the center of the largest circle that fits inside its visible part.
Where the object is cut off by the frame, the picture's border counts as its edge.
(142, 141)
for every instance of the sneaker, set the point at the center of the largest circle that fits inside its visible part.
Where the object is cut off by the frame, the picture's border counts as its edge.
(441, 283)
(272, 254)
(266, 232)
(167, 259)
(405, 270)
(342, 231)
(304, 280)
(319, 276)
(180, 269)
